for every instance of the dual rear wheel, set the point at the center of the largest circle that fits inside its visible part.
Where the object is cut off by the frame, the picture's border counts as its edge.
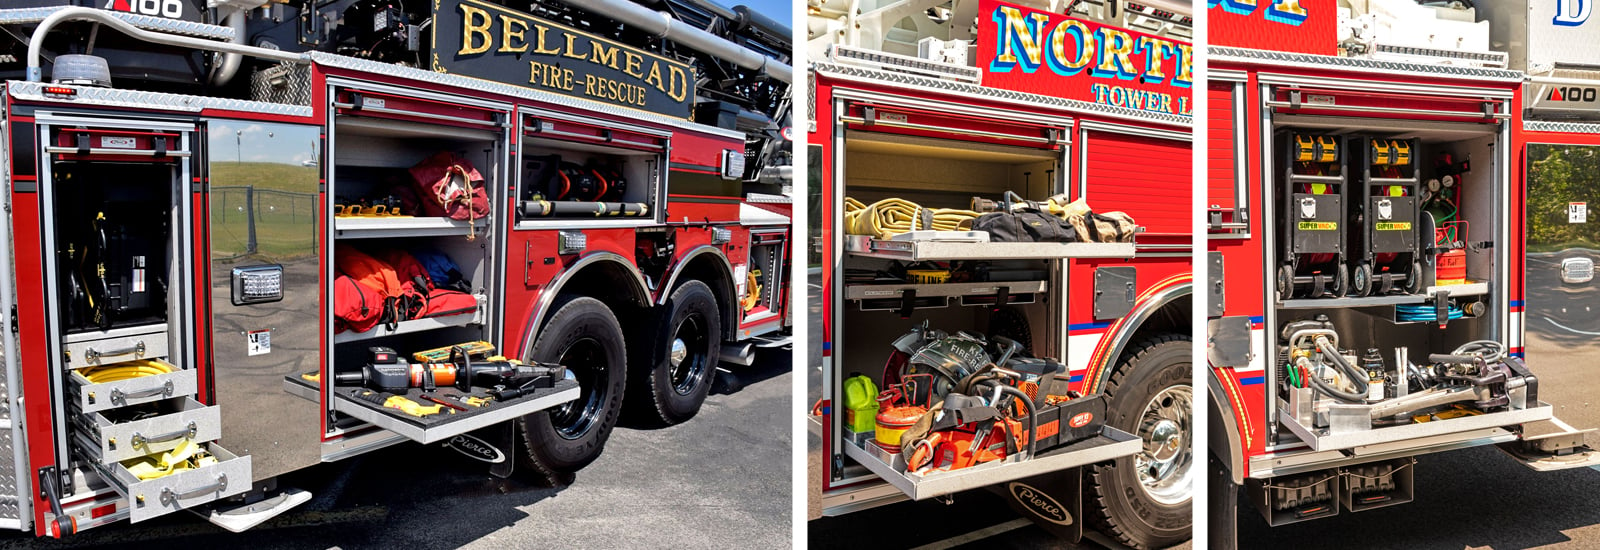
(585, 336)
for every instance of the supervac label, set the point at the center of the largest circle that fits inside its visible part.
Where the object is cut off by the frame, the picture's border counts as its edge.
(482, 40)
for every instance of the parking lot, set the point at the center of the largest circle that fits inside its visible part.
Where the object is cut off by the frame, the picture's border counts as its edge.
(721, 480)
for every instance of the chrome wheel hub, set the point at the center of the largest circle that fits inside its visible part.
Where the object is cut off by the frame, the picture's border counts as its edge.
(1165, 465)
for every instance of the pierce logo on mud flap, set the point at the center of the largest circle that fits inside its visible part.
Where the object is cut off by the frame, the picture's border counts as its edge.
(476, 449)
(1039, 503)
(1081, 419)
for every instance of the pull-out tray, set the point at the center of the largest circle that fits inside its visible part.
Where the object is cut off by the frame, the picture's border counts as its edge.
(439, 427)
(164, 495)
(1111, 443)
(917, 251)
(111, 436)
(1321, 439)
(92, 397)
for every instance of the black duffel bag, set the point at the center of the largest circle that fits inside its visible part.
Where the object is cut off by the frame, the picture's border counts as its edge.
(1024, 225)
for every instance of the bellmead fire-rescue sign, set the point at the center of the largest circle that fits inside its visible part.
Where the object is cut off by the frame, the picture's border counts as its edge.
(1027, 50)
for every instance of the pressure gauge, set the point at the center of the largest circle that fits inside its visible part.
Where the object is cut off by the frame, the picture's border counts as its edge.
(1448, 181)
(1433, 184)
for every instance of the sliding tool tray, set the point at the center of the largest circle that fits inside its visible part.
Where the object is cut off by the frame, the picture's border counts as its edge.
(1109, 444)
(1329, 439)
(439, 427)
(1072, 434)
(917, 251)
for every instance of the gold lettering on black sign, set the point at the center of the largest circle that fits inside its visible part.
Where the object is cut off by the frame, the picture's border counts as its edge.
(512, 33)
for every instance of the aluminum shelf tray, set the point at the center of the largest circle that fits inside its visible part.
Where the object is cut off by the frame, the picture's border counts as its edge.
(1320, 440)
(391, 227)
(917, 251)
(1111, 443)
(404, 327)
(878, 291)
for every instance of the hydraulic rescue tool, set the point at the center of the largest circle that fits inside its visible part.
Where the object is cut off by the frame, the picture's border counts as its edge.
(386, 371)
(957, 401)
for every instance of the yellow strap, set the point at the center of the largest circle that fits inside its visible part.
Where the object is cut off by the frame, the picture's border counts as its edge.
(410, 407)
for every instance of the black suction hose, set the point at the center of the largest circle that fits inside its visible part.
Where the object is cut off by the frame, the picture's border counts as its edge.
(1033, 428)
(1357, 377)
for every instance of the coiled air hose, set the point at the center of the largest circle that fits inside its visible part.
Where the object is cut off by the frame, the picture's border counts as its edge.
(1490, 350)
(124, 371)
(1416, 313)
(893, 216)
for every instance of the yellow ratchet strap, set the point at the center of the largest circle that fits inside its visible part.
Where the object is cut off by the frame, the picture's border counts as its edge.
(187, 456)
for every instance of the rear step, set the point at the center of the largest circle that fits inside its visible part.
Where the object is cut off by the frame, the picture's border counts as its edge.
(1550, 445)
(238, 518)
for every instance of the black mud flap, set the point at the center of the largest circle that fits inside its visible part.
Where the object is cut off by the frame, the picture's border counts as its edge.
(493, 445)
(1053, 501)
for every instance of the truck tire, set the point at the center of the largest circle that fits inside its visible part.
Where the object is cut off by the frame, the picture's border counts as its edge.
(583, 336)
(682, 358)
(1143, 500)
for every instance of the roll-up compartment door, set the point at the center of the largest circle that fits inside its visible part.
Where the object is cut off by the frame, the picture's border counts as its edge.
(1136, 173)
(1221, 146)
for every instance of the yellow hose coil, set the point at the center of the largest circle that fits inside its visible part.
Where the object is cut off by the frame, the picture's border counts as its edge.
(124, 371)
(893, 216)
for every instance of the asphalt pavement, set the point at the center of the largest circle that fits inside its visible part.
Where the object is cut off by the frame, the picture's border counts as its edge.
(721, 480)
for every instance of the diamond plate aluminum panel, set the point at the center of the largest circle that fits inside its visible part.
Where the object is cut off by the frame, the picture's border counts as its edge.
(363, 65)
(902, 80)
(1282, 59)
(34, 91)
(23, 16)
(286, 83)
(1568, 127)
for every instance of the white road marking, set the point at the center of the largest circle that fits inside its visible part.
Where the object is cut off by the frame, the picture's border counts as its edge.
(1570, 329)
(980, 534)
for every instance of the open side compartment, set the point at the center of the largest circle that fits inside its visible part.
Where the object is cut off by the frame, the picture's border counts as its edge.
(117, 206)
(444, 267)
(1428, 343)
(762, 283)
(954, 280)
(571, 169)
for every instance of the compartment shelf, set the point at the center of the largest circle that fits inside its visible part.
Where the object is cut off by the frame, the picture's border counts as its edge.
(878, 291)
(1111, 443)
(414, 325)
(1474, 288)
(916, 251)
(391, 227)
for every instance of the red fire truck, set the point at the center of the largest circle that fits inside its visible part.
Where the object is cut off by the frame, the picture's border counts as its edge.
(1375, 173)
(914, 104)
(189, 318)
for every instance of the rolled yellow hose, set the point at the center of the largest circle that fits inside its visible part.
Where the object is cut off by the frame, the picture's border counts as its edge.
(893, 216)
(124, 371)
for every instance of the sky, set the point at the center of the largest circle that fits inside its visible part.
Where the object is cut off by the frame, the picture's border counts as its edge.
(781, 11)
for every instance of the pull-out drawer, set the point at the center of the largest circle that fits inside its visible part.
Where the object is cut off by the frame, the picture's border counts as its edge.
(448, 423)
(124, 433)
(116, 345)
(94, 397)
(187, 489)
